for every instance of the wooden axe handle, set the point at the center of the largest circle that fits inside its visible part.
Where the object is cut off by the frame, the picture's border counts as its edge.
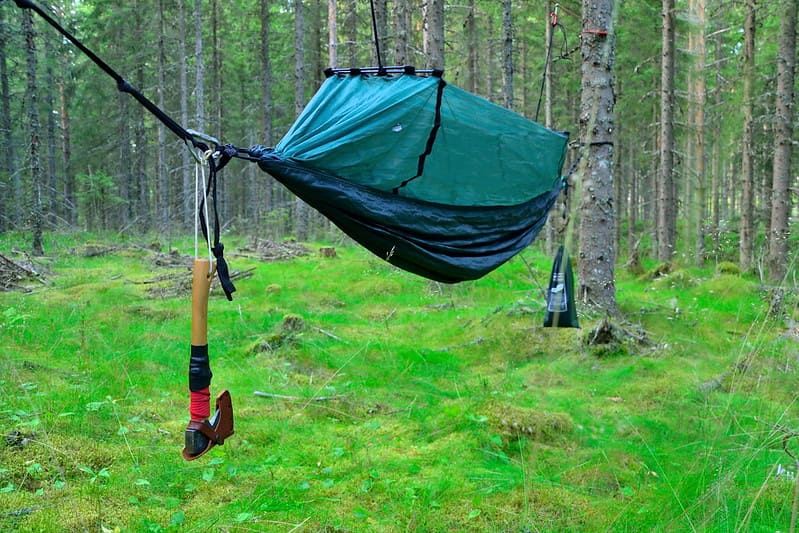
(200, 288)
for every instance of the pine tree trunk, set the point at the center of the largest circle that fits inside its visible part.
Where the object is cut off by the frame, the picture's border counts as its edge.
(162, 177)
(123, 216)
(33, 124)
(381, 17)
(507, 53)
(547, 70)
(747, 149)
(597, 218)
(471, 47)
(699, 99)
(183, 65)
(783, 144)
(266, 99)
(9, 204)
(434, 33)
(317, 44)
(351, 23)
(199, 68)
(667, 202)
(217, 99)
(715, 161)
(52, 150)
(69, 199)
(402, 32)
(301, 208)
(332, 32)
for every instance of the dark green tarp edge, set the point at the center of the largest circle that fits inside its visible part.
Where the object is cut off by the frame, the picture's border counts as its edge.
(440, 242)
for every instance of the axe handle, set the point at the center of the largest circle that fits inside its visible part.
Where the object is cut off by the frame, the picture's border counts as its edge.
(200, 288)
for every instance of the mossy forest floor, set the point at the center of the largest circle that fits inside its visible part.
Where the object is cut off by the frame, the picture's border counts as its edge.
(391, 403)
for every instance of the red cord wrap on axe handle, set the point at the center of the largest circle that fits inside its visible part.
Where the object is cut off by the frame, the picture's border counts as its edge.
(200, 404)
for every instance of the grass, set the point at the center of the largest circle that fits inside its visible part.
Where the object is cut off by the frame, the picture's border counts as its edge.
(450, 408)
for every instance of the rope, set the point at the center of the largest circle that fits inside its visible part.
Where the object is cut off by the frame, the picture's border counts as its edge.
(199, 178)
(381, 70)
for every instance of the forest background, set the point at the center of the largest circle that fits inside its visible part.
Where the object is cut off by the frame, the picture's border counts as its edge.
(696, 135)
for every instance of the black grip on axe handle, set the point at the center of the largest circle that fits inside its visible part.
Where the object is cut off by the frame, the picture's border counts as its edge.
(199, 369)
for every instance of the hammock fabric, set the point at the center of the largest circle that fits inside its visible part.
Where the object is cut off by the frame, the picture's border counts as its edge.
(432, 179)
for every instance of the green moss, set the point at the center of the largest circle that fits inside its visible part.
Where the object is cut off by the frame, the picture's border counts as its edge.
(408, 405)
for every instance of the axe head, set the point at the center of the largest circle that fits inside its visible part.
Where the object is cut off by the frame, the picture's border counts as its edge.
(202, 436)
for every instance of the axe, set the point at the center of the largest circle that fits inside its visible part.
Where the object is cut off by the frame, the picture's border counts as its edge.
(203, 431)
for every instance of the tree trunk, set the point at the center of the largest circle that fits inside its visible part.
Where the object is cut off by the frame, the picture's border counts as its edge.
(597, 218)
(381, 18)
(715, 161)
(301, 212)
(9, 204)
(70, 202)
(33, 124)
(351, 23)
(434, 34)
(139, 148)
(199, 68)
(471, 47)
(52, 150)
(402, 33)
(507, 53)
(267, 105)
(667, 204)
(747, 238)
(162, 172)
(783, 144)
(332, 32)
(698, 100)
(183, 65)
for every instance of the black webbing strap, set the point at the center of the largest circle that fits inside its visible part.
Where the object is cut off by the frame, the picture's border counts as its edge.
(122, 84)
(431, 139)
(226, 153)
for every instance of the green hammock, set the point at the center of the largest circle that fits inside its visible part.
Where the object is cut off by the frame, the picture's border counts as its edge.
(431, 178)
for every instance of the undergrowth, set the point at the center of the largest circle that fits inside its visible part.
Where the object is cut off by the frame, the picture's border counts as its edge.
(392, 403)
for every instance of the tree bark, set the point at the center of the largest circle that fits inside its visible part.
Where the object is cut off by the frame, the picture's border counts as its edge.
(52, 150)
(301, 208)
(351, 29)
(34, 128)
(199, 68)
(783, 144)
(381, 18)
(332, 32)
(183, 65)
(434, 34)
(698, 100)
(162, 176)
(667, 203)
(267, 105)
(747, 239)
(471, 47)
(507, 53)
(9, 204)
(402, 33)
(597, 218)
